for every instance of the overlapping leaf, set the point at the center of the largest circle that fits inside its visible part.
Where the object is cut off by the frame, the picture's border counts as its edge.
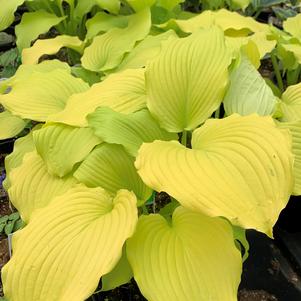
(84, 6)
(231, 22)
(240, 168)
(32, 25)
(109, 166)
(123, 92)
(62, 146)
(128, 130)
(107, 50)
(102, 22)
(192, 258)
(50, 46)
(146, 50)
(248, 92)
(10, 125)
(291, 103)
(186, 83)
(22, 146)
(295, 129)
(293, 26)
(75, 240)
(8, 9)
(45, 94)
(32, 187)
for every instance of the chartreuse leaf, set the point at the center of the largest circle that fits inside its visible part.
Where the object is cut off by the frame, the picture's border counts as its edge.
(291, 104)
(248, 92)
(262, 42)
(54, 141)
(236, 4)
(191, 258)
(45, 94)
(111, 167)
(185, 84)
(250, 50)
(84, 6)
(232, 23)
(248, 158)
(295, 129)
(32, 25)
(123, 92)
(293, 26)
(108, 49)
(138, 5)
(169, 4)
(75, 240)
(145, 51)
(241, 240)
(22, 146)
(10, 125)
(102, 22)
(32, 55)
(128, 130)
(32, 187)
(8, 9)
(295, 49)
(121, 274)
(25, 70)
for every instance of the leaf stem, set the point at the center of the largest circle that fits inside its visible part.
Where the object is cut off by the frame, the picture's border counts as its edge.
(277, 71)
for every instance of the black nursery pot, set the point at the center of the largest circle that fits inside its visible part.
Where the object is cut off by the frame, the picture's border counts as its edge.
(273, 270)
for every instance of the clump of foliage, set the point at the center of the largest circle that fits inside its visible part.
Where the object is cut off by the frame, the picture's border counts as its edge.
(173, 104)
(10, 223)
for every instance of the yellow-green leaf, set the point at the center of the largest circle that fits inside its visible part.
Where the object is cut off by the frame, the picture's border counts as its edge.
(123, 92)
(138, 5)
(102, 22)
(24, 71)
(295, 129)
(111, 167)
(248, 92)
(62, 146)
(185, 84)
(146, 50)
(295, 49)
(41, 94)
(10, 125)
(85, 6)
(293, 26)
(32, 25)
(8, 8)
(121, 274)
(69, 245)
(191, 258)
(128, 130)
(290, 105)
(107, 50)
(169, 4)
(32, 187)
(239, 167)
(32, 55)
(21, 147)
(232, 23)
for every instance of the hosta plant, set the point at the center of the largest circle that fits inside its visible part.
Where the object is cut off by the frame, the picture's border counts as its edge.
(84, 177)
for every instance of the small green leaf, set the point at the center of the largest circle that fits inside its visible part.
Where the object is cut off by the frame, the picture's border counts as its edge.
(18, 225)
(9, 227)
(14, 216)
(2, 226)
(3, 219)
